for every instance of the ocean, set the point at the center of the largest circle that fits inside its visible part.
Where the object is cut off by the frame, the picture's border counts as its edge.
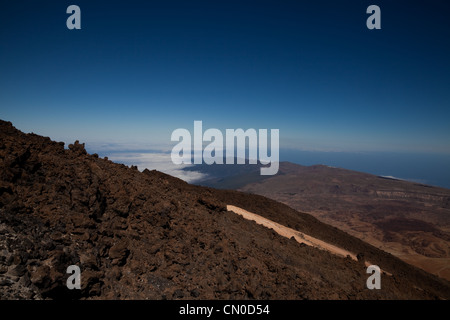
(431, 169)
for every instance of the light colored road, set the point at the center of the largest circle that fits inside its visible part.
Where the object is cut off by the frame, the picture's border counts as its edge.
(289, 233)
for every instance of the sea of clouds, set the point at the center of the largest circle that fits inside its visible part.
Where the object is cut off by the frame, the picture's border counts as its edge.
(156, 161)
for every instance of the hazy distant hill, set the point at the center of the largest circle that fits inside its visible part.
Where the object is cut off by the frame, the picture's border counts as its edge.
(227, 176)
(409, 220)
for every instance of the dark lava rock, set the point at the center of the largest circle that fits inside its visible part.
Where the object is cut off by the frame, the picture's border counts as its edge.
(18, 271)
(77, 148)
(119, 252)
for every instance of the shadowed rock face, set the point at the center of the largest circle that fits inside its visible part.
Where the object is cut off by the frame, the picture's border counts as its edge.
(147, 235)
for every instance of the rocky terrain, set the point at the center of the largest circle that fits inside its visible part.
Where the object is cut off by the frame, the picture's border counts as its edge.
(147, 235)
(407, 219)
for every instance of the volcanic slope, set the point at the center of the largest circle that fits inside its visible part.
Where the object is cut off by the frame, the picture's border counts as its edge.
(409, 220)
(147, 235)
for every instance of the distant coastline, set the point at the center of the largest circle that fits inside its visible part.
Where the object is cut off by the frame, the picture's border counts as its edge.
(429, 169)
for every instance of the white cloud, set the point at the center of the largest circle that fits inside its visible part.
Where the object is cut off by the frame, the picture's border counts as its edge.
(158, 161)
(403, 179)
(393, 178)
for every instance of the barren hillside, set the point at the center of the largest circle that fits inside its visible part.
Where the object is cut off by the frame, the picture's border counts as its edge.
(147, 235)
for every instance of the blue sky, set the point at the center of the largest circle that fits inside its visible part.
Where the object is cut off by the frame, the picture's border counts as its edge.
(137, 70)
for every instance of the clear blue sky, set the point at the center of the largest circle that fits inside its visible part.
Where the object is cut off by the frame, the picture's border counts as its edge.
(137, 70)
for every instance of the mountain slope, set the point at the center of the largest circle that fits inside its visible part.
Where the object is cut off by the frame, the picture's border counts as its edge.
(410, 220)
(147, 235)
